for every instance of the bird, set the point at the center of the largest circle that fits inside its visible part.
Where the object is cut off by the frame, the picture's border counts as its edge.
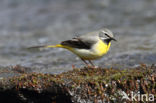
(87, 47)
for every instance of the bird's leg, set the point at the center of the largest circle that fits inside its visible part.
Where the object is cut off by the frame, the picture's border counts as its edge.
(91, 63)
(85, 62)
(73, 66)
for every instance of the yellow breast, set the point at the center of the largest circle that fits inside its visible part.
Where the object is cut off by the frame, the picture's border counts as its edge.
(101, 48)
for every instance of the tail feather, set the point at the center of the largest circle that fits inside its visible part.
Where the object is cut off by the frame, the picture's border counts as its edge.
(47, 46)
(54, 46)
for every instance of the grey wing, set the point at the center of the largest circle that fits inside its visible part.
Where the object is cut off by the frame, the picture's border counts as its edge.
(83, 41)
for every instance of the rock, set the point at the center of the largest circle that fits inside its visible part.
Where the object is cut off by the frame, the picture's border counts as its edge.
(77, 86)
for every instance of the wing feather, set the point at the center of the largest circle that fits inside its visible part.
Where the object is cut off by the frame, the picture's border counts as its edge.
(76, 43)
(83, 41)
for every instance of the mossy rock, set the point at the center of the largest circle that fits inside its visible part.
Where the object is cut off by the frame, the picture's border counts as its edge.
(79, 85)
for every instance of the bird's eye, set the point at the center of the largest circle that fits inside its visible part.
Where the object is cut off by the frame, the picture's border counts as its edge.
(103, 34)
(106, 34)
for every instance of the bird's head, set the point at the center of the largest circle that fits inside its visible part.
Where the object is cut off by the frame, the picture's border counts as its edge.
(106, 35)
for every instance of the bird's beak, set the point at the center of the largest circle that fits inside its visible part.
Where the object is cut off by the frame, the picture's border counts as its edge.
(113, 39)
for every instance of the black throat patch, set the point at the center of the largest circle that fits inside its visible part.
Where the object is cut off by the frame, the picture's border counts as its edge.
(107, 41)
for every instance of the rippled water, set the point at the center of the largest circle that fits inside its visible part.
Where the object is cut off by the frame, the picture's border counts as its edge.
(25, 23)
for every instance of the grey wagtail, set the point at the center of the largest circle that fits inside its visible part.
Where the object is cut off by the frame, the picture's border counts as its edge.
(90, 46)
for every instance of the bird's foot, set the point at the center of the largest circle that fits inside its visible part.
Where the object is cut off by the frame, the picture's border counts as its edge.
(73, 66)
(92, 66)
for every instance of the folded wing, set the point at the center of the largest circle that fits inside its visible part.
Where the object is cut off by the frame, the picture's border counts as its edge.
(77, 43)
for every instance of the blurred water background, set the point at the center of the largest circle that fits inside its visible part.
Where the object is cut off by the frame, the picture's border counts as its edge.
(26, 23)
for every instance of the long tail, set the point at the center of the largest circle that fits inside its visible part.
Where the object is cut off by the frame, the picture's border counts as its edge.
(48, 46)
(54, 46)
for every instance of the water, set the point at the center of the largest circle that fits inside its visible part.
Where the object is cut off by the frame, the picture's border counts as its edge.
(25, 23)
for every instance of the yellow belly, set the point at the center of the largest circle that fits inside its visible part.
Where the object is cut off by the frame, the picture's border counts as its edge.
(97, 51)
